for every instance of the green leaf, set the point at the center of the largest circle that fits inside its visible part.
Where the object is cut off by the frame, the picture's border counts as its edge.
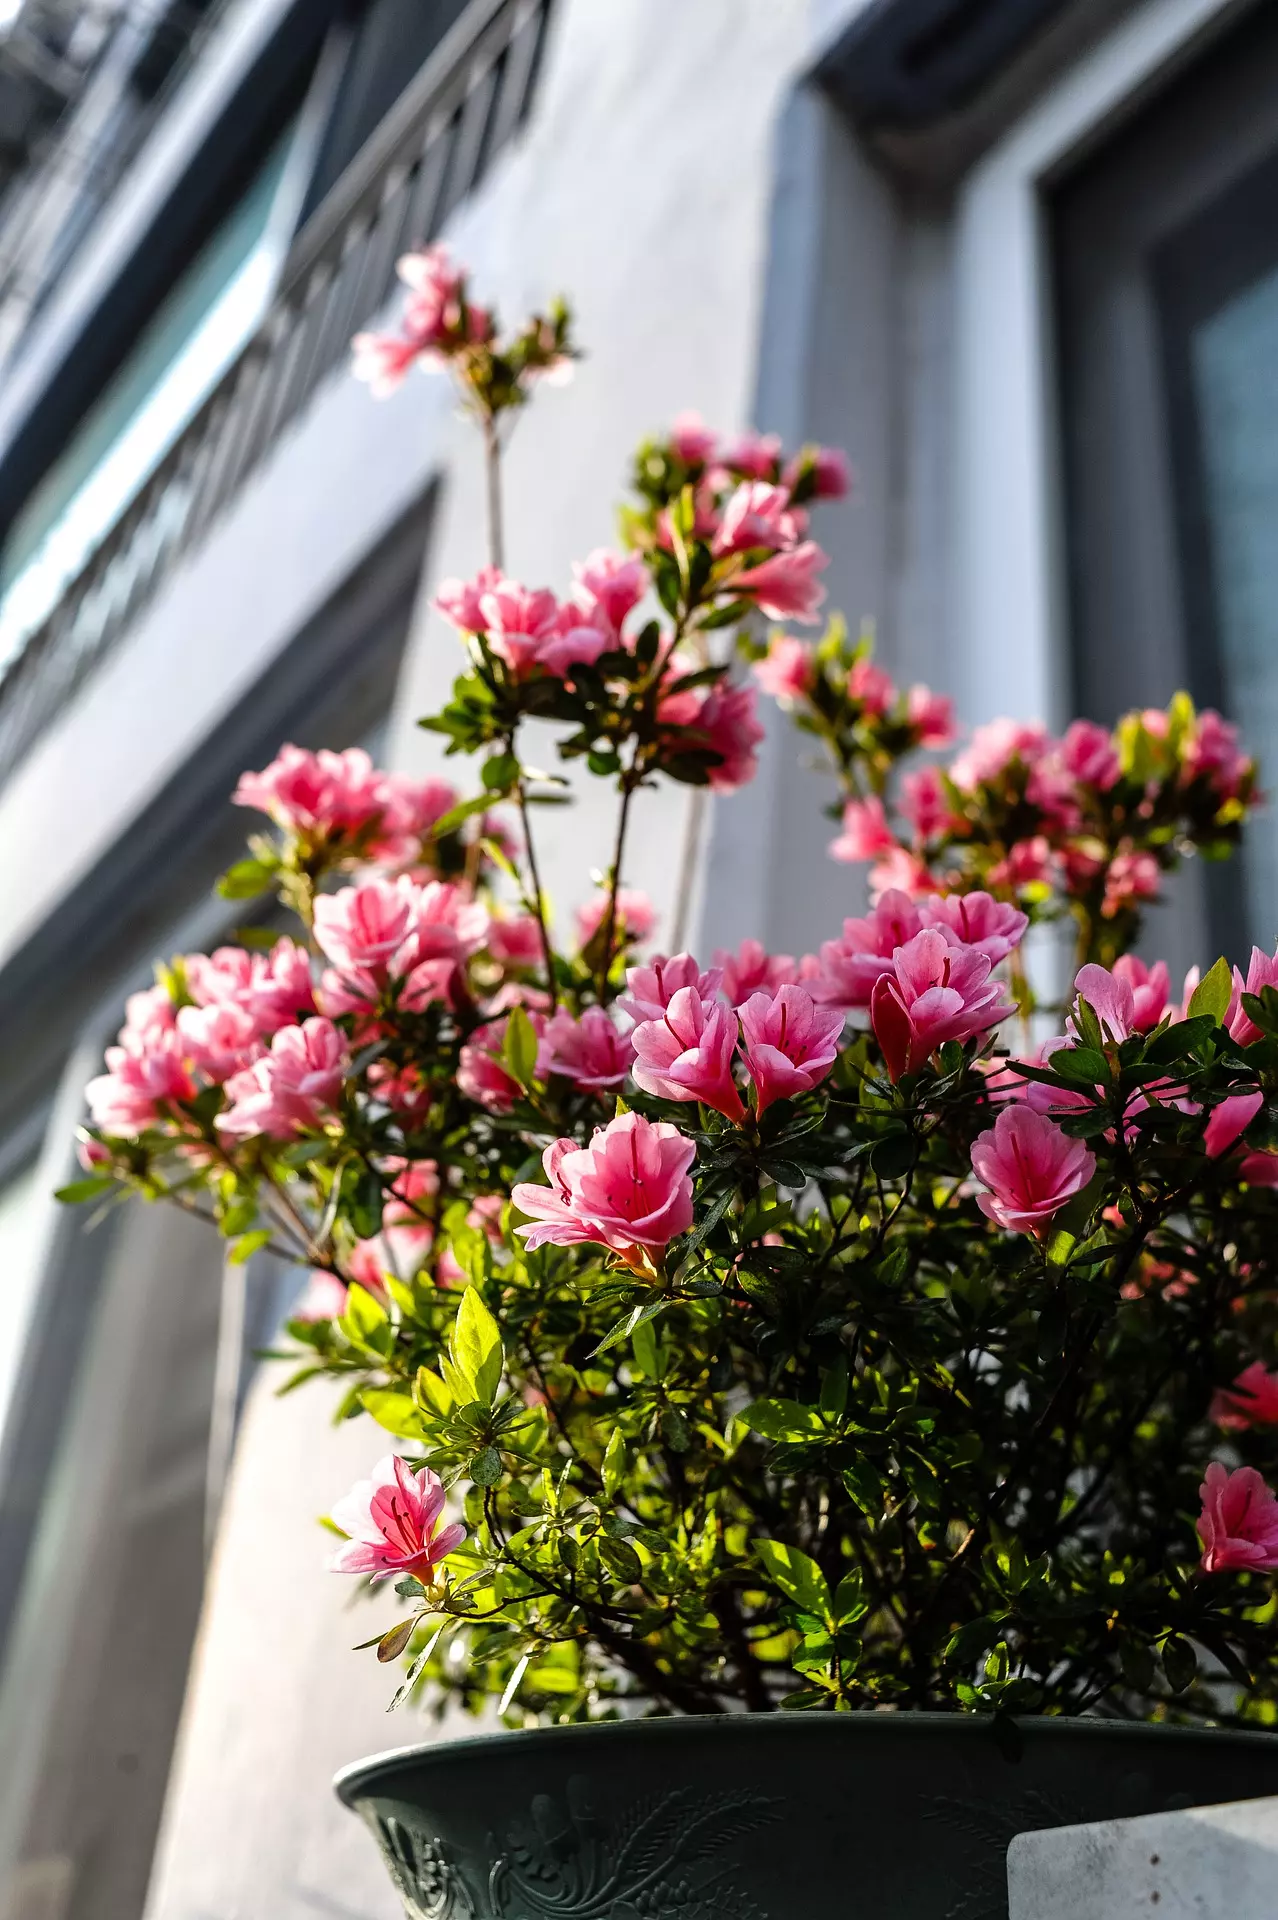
(1084, 1065)
(1180, 1663)
(785, 1420)
(393, 1411)
(865, 1486)
(364, 1317)
(519, 1051)
(1089, 1027)
(392, 1644)
(500, 773)
(485, 1468)
(82, 1190)
(614, 1464)
(797, 1576)
(476, 1348)
(1213, 993)
(632, 1323)
(243, 1249)
(246, 880)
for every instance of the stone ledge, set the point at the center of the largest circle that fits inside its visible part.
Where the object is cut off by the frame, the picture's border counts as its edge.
(1208, 1863)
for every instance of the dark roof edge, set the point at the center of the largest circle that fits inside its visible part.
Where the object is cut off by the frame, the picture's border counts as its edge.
(903, 65)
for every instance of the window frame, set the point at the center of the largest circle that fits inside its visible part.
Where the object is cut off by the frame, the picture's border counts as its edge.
(1011, 625)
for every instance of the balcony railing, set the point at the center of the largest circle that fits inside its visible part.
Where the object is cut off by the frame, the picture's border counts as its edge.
(428, 154)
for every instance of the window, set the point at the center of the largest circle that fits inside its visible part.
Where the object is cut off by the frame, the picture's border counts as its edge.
(1165, 245)
(176, 362)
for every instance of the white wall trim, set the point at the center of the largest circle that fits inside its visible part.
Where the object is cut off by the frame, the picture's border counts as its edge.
(1009, 603)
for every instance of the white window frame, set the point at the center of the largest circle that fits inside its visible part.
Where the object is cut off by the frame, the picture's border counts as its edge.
(1011, 627)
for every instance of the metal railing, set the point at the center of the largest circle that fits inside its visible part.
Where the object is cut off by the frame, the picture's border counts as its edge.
(430, 151)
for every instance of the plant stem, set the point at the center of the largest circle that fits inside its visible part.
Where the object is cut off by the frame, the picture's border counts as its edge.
(497, 558)
(492, 481)
(629, 782)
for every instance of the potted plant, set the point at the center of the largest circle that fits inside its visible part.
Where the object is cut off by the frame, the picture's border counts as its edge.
(862, 1336)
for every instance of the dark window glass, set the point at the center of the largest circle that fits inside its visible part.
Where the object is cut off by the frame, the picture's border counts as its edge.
(1166, 252)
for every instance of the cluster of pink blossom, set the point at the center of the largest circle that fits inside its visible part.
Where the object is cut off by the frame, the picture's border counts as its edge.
(340, 801)
(1032, 1168)
(530, 631)
(1063, 831)
(395, 939)
(239, 1006)
(438, 322)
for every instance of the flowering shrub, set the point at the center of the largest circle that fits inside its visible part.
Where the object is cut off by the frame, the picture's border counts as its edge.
(765, 1330)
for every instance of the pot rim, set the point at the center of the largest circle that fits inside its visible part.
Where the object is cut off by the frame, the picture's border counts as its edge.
(360, 1778)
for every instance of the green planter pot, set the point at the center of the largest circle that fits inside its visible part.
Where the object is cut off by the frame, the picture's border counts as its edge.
(805, 1817)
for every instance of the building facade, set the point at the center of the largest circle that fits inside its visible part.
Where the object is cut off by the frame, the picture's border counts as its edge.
(1019, 259)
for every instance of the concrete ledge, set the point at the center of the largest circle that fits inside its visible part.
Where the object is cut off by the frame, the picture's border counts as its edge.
(1208, 1863)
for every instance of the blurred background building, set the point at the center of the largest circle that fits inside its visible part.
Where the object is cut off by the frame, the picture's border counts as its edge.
(1019, 257)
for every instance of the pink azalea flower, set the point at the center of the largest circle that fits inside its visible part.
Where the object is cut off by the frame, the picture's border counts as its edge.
(866, 833)
(1151, 990)
(850, 966)
(785, 672)
(651, 988)
(1239, 1523)
(515, 942)
(381, 361)
(140, 1085)
(324, 1299)
(759, 515)
(609, 586)
(976, 920)
(924, 802)
(219, 1040)
(900, 871)
(931, 715)
(318, 794)
(691, 441)
(1031, 1169)
(526, 629)
(629, 1190)
(361, 929)
(1229, 1121)
(415, 807)
(688, 1054)
(1262, 971)
(827, 469)
(726, 721)
(434, 310)
(462, 601)
(1252, 1401)
(872, 686)
(932, 993)
(413, 1182)
(1214, 751)
(1111, 998)
(756, 455)
(1089, 755)
(1055, 793)
(785, 587)
(291, 1088)
(392, 1520)
(480, 1073)
(636, 916)
(751, 969)
(790, 1044)
(1028, 863)
(1259, 1169)
(1131, 877)
(589, 1051)
(993, 748)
